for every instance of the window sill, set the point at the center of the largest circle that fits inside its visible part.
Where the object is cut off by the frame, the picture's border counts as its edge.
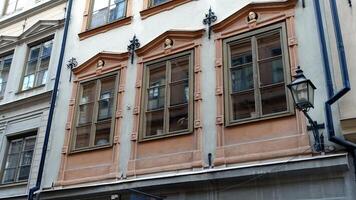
(162, 7)
(13, 184)
(31, 89)
(88, 149)
(164, 136)
(104, 28)
(252, 120)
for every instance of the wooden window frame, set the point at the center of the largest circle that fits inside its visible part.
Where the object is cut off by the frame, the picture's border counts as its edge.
(90, 14)
(252, 36)
(142, 135)
(2, 58)
(150, 10)
(23, 138)
(151, 4)
(38, 64)
(92, 145)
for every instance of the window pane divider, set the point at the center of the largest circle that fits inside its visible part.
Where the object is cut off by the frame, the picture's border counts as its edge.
(241, 66)
(179, 81)
(256, 76)
(155, 110)
(177, 105)
(272, 85)
(270, 58)
(243, 91)
(168, 97)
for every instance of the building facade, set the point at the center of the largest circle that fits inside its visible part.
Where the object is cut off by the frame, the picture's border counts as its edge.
(157, 104)
(30, 39)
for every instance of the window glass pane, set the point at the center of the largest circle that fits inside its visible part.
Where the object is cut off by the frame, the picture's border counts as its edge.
(241, 67)
(85, 113)
(154, 123)
(241, 54)
(5, 64)
(157, 74)
(269, 46)
(156, 90)
(26, 158)
(179, 93)
(31, 67)
(30, 144)
(24, 173)
(47, 49)
(100, 13)
(273, 99)
(34, 53)
(16, 146)
(180, 69)
(178, 118)
(242, 78)
(156, 97)
(106, 98)
(271, 71)
(157, 2)
(28, 82)
(102, 135)
(83, 137)
(100, 4)
(243, 105)
(2, 88)
(12, 160)
(9, 176)
(117, 10)
(41, 77)
(88, 95)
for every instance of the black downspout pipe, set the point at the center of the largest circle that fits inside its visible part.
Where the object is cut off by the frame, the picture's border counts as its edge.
(52, 106)
(333, 97)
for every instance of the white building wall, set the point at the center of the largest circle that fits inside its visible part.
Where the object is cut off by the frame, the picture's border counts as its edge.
(187, 17)
(32, 115)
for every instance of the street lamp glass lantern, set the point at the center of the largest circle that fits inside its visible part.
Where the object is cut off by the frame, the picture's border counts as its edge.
(302, 90)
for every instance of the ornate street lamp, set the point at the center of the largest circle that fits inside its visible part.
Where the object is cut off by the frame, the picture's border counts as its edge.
(302, 90)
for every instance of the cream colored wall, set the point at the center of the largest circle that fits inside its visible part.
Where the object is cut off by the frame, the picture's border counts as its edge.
(32, 115)
(186, 17)
(348, 27)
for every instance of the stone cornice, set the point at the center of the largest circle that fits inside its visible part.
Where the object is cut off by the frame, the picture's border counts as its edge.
(46, 96)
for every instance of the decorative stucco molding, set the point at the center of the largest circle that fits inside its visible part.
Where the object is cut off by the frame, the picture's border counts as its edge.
(95, 164)
(266, 139)
(154, 156)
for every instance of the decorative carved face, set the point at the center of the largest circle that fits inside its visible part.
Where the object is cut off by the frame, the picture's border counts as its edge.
(168, 43)
(100, 63)
(252, 16)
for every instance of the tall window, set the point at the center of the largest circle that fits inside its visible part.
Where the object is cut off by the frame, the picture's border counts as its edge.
(256, 73)
(157, 2)
(12, 6)
(106, 11)
(95, 113)
(37, 65)
(5, 63)
(168, 96)
(18, 160)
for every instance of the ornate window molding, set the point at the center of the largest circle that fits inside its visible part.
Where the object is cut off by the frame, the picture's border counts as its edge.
(230, 139)
(168, 44)
(103, 159)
